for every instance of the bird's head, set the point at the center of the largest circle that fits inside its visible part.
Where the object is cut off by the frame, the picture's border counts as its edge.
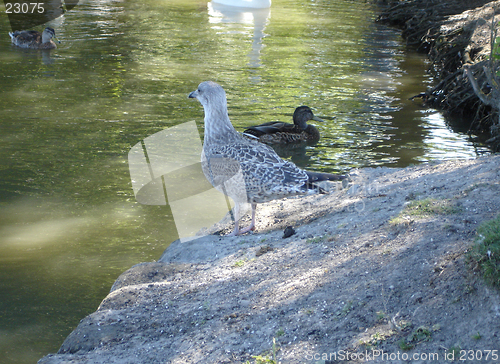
(302, 115)
(49, 33)
(209, 94)
(213, 99)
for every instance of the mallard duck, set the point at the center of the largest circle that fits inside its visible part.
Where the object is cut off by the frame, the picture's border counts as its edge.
(282, 133)
(33, 39)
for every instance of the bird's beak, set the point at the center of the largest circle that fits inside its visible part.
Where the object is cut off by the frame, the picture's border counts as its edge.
(193, 94)
(318, 119)
(58, 41)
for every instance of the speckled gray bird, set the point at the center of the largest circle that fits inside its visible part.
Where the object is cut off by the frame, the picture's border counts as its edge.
(244, 169)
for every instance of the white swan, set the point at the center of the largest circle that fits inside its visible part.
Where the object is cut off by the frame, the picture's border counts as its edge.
(255, 4)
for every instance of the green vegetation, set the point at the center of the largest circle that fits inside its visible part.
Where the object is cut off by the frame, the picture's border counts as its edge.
(495, 48)
(317, 239)
(345, 310)
(456, 350)
(421, 334)
(485, 253)
(377, 338)
(380, 315)
(430, 206)
(308, 311)
(425, 208)
(403, 325)
(262, 360)
(403, 345)
(239, 263)
(259, 359)
(321, 239)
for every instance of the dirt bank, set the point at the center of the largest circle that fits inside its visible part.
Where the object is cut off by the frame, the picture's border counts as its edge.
(456, 34)
(369, 268)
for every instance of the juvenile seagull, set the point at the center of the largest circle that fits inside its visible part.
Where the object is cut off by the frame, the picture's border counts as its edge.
(244, 169)
(33, 39)
(284, 133)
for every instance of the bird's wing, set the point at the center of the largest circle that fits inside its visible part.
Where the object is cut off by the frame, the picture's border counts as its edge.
(28, 36)
(269, 128)
(219, 169)
(263, 171)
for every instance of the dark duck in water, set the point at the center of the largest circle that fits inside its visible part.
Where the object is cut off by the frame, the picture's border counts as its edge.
(34, 40)
(276, 132)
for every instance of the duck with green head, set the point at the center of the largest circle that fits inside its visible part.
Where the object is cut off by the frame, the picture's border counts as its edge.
(276, 132)
(34, 40)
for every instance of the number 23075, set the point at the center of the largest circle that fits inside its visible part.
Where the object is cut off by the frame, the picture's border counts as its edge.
(24, 8)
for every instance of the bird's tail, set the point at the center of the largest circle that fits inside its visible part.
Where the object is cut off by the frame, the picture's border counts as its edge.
(314, 177)
(319, 177)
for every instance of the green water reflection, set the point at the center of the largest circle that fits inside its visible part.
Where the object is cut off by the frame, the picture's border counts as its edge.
(69, 222)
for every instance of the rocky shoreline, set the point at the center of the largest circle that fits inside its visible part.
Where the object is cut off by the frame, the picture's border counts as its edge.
(362, 273)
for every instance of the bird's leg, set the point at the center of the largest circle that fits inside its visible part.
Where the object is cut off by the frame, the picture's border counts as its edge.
(236, 216)
(252, 224)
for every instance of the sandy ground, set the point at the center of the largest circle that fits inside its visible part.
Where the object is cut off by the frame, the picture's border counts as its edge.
(363, 279)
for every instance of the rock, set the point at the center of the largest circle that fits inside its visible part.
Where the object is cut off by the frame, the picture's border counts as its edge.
(289, 231)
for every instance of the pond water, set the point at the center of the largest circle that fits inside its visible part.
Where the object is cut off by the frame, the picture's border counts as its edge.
(69, 221)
